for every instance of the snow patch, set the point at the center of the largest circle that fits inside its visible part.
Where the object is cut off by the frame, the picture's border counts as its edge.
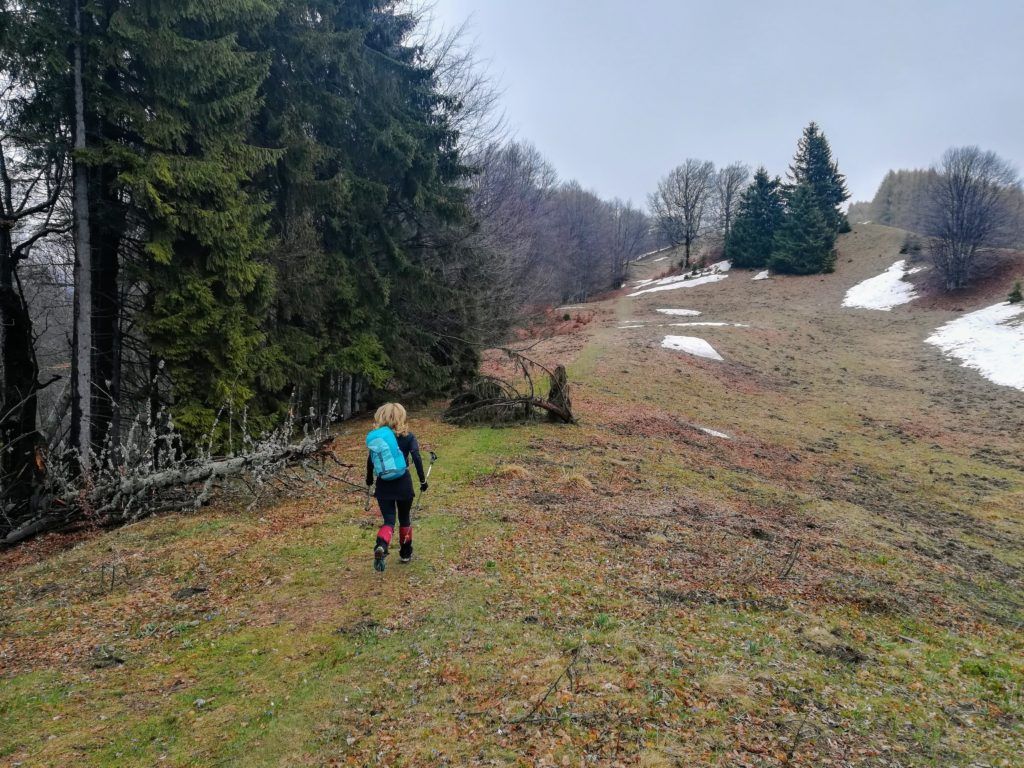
(682, 312)
(711, 274)
(883, 291)
(643, 256)
(708, 323)
(988, 342)
(655, 261)
(715, 433)
(680, 281)
(691, 345)
(762, 275)
(624, 327)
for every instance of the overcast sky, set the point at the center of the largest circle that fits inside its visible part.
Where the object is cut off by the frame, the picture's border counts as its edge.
(617, 92)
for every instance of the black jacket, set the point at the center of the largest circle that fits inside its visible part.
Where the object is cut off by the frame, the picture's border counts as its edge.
(400, 489)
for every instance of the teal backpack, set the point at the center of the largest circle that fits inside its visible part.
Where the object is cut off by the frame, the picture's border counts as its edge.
(388, 461)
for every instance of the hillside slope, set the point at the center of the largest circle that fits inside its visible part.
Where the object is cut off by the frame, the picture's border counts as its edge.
(831, 576)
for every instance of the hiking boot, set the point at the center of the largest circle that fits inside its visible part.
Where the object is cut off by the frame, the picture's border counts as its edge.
(405, 536)
(380, 553)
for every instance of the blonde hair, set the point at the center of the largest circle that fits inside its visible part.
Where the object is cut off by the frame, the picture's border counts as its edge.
(391, 415)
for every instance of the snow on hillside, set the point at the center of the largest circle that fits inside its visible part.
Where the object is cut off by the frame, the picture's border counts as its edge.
(988, 342)
(682, 312)
(762, 275)
(883, 291)
(691, 345)
(709, 323)
(680, 281)
(712, 274)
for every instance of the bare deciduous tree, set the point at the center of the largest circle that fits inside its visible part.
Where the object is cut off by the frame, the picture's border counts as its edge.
(682, 202)
(631, 233)
(583, 231)
(730, 182)
(510, 197)
(465, 81)
(546, 242)
(974, 198)
(31, 185)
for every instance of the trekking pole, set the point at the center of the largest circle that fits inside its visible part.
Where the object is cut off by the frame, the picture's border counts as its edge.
(369, 492)
(433, 458)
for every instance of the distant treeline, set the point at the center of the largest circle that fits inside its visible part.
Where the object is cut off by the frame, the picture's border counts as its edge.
(906, 199)
(556, 241)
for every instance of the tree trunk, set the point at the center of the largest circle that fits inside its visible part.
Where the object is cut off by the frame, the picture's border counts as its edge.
(106, 314)
(18, 431)
(154, 392)
(81, 359)
(347, 396)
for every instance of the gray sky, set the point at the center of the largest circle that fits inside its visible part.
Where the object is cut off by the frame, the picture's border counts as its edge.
(617, 92)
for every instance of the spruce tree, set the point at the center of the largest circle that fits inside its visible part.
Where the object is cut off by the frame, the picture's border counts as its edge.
(277, 185)
(367, 202)
(814, 167)
(188, 91)
(804, 243)
(760, 212)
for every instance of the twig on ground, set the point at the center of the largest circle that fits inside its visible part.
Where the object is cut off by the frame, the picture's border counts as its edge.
(796, 739)
(790, 560)
(574, 657)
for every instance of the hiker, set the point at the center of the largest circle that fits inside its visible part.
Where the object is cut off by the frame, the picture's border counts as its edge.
(391, 445)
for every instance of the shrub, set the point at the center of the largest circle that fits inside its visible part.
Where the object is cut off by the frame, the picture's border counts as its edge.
(911, 245)
(1016, 295)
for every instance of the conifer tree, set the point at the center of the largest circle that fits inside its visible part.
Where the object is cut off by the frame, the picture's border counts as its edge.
(189, 92)
(277, 187)
(367, 198)
(760, 212)
(804, 243)
(814, 167)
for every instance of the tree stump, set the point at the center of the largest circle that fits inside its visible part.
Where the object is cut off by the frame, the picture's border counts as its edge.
(559, 393)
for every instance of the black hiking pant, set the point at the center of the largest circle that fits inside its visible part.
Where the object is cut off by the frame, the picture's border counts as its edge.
(400, 508)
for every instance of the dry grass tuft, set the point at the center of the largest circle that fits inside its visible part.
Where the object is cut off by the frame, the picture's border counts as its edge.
(574, 483)
(726, 685)
(512, 472)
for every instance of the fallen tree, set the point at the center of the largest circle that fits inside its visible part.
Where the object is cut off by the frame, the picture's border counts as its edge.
(116, 494)
(496, 400)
